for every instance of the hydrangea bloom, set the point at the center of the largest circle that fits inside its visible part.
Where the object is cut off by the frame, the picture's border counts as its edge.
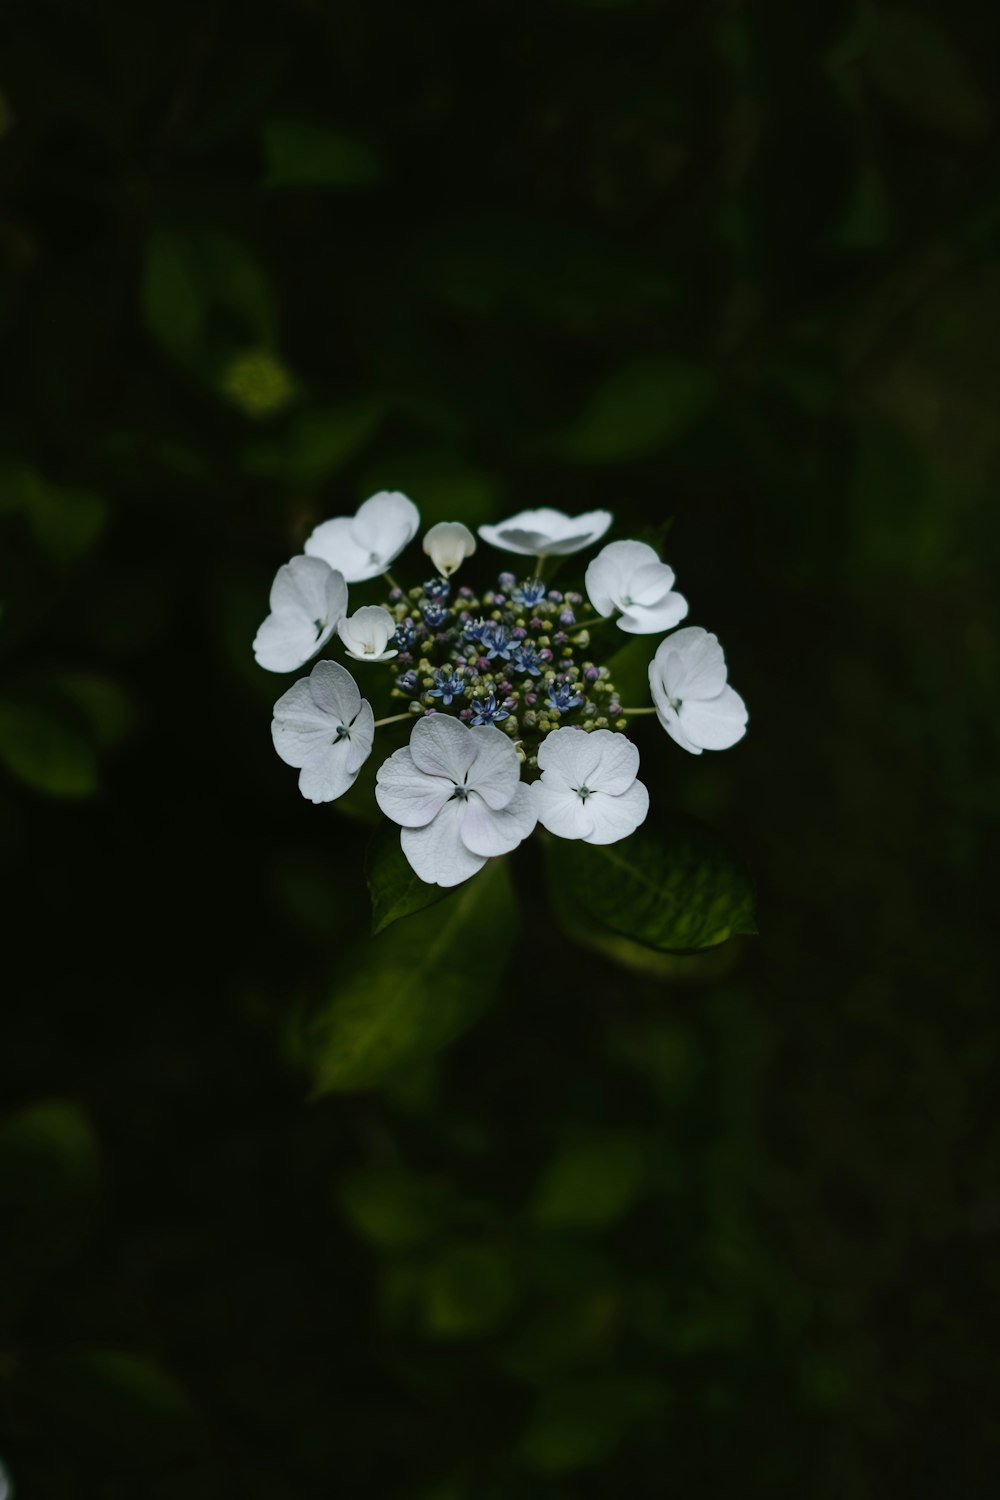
(323, 726)
(695, 705)
(366, 634)
(547, 532)
(458, 796)
(447, 545)
(308, 601)
(628, 576)
(515, 716)
(363, 545)
(588, 788)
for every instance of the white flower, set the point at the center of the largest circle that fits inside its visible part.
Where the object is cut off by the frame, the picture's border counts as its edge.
(629, 576)
(308, 600)
(447, 545)
(687, 678)
(458, 795)
(363, 545)
(588, 788)
(546, 532)
(323, 725)
(367, 632)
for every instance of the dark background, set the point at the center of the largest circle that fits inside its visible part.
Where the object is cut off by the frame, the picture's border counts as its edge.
(731, 1227)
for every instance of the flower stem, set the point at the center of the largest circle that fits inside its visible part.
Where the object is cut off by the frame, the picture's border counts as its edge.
(394, 719)
(390, 580)
(593, 622)
(539, 567)
(631, 712)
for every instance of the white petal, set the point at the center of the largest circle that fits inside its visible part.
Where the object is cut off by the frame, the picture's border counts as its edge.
(307, 600)
(367, 633)
(618, 765)
(547, 532)
(714, 723)
(496, 771)
(384, 524)
(640, 619)
(327, 774)
(561, 811)
(436, 853)
(335, 691)
(616, 817)
(299, 728)
(690, 664)
(569, 757)
(672, 724)
(447, 545)
(308, 726)
(442, 746)
(489, 832)
(407, 795)
(333, 542)
(608, 575)
(362, 737)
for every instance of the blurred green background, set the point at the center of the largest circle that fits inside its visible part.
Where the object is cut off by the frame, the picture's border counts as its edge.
(728, 1224)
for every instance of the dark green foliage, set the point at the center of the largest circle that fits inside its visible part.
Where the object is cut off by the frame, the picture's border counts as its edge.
(674, 886)
(395, 890)
(576, 1218)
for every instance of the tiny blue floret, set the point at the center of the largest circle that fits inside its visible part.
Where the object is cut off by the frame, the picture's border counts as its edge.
(487, 710)
(563, 696)
(447, 685)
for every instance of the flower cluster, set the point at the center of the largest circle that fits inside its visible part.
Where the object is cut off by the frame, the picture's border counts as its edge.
(516, 720)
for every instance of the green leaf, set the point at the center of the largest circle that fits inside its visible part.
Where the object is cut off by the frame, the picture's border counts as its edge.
(675, 888)
(467, 1291)
(173, 299)
(301, 154)
(44, 753)
(411, 990)
(395, 890)
(921, 71)
(628, 668)
(638, 410)
(110, 1400)
(592, 1185)
(580, 1424)
(391, 1208)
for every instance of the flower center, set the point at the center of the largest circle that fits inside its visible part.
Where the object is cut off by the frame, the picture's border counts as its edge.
(583, 792)
(373, 557)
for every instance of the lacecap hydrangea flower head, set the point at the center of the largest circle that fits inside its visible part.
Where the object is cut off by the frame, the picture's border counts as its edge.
(516, 719)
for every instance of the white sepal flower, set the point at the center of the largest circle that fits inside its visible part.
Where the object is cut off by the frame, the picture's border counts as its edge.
(547, 532)
(458, 796)
(363, 545)
(367, 633)
(687, 678)
(323, 726)
(448, 544)
(630, 577)
(308, 600)
(588, 789)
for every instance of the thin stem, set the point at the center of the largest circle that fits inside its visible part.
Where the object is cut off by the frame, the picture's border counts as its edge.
(393, 719)
(593, 622)
(631, 712)
(539, 567)
(390, 580)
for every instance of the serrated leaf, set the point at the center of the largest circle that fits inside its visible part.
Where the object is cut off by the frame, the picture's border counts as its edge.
(394, 888)
(410, 991)
(675, 888)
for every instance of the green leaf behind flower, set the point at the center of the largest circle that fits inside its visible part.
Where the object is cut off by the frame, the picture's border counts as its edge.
(395, 890)
(676, 888)
(408, 992)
